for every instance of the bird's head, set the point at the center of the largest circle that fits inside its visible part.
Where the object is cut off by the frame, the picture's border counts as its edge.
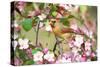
(53, 22)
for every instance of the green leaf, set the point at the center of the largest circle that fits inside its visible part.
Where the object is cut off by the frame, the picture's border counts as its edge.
(53, 7)
(27, 24)
(54, 13)
(41, 6)
(64, 21)
(36, 50)
(21, 54)
(29, 62)
(70, 16)
(83, 8)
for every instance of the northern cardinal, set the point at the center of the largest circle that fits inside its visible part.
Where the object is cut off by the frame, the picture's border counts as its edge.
(60, 31)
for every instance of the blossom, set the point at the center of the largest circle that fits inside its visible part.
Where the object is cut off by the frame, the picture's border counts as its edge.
(71, 43)
(66, 6)
(15, 36)
(41, 25)
(45, 50)
(78, 41)
(88, 52)
(83, 58)
(15, 43)
(63, 60)
(77, 58)
(38, 56)
(93, 54)
(16, 26)
(48, 28)
(73, 24)
(75, 50)
(42, 17)
(88, 45)
(23, 43)
(49, 56)
(20, 6)
(17, 61)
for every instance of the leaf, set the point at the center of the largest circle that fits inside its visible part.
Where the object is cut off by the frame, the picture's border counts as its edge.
(53, 7)
(21, 54)
(83, 8)
(41, 6)
(27, 24)
(54, 13)
(36, 50)
(70, 16)
(29, 62)
(64, 21)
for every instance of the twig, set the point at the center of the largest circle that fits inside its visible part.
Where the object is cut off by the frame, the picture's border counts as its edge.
(57, 43)
(37, 32)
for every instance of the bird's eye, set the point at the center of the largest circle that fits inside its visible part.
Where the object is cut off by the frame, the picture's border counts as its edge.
(54, 22)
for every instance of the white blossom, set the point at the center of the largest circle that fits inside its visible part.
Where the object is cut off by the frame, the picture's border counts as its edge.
(78, 41)
(48, 28)
(23, 43)
(38, 56)
(87, 45)
(15, 43)
(15, 36)
(41, 25)
(49, 56)
(42, 17)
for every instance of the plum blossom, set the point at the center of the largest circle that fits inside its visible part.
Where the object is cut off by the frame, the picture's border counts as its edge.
(75, 50)
(38, 57)
(21, 5)
(42, 17)
(15, 24)
(15, 43)
(63, 60)
(78, 41)
(41, 25)
(49, 56)
(83, 57)
(17, 61)
(93, 54)
(73, 24)
(45, 50)
(77, 58)
(23, 43)
(66, 6)
(88, 45)
(15, 36)
(48, 28)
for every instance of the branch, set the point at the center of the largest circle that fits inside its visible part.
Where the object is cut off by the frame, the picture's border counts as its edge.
(37, 32)
(57, 43)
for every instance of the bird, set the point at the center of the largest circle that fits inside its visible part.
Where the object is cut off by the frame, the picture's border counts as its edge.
(60, 31)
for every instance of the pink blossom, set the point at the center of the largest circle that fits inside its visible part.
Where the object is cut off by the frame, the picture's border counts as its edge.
(45, 50)
(38, 56)
(21, 5)
(83, 57)
(49, 56)
(88, 45)
(78, 41)
(93, 54)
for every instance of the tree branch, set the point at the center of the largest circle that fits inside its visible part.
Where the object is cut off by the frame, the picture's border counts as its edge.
(37, 32)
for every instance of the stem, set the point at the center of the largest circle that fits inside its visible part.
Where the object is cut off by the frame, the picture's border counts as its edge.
(37, 32)
(57, 43)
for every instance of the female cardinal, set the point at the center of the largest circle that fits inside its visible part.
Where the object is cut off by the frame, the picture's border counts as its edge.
(60, 31)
